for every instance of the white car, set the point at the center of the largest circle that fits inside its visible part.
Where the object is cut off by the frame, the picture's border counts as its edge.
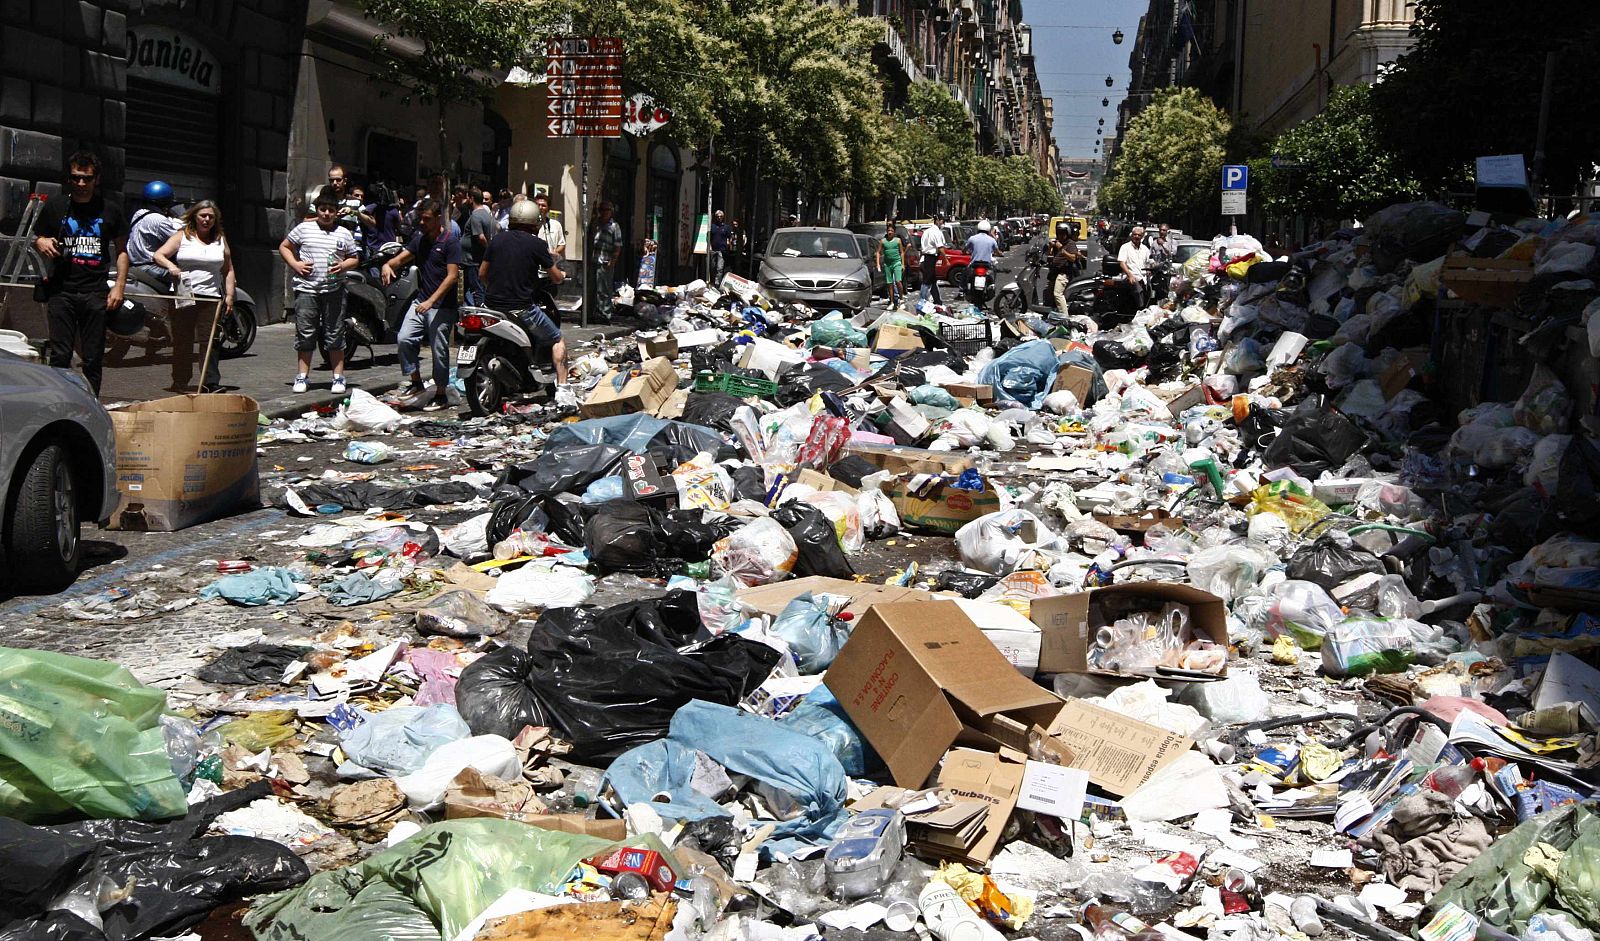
(57, 469)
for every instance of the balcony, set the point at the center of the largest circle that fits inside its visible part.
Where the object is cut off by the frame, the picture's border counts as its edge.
(897, 52)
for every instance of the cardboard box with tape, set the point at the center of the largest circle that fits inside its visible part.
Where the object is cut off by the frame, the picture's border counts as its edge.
(185, 460)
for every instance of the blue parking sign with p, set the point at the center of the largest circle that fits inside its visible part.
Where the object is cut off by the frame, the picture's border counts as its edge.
(1235, 176)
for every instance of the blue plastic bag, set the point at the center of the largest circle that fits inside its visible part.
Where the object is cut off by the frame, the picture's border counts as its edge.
(604, 490)
(747, 744)
(819, 716)
(399, 740)
(271, 585)
(813, 634)
(1023, 374)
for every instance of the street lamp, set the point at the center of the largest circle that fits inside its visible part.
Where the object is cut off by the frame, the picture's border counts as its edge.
(1105, 102)
(1116, 37)
(1102, 122)
(1109, 81)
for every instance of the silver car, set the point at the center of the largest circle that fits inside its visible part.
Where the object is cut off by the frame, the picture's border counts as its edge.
(816, 266)
(57, 469)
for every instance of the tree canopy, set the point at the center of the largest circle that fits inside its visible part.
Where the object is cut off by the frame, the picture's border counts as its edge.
(1471, 87)
(1344, 167)
(466, 48)
(1171, 156)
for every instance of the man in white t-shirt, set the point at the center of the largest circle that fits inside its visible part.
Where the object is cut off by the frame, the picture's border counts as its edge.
(932, 241)
(552, 233)
(1134, 259)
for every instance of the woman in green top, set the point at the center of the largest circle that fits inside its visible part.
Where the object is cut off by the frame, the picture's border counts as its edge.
(891, 254)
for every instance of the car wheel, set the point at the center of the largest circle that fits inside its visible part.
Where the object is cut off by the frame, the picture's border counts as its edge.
(42, 520)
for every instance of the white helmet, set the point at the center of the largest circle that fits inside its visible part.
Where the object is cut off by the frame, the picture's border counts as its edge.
(983, 225)
(525, 213)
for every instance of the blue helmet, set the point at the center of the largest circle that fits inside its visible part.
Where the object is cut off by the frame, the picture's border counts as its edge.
(157, 191)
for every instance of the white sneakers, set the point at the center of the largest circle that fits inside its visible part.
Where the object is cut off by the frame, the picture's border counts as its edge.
(299, 383)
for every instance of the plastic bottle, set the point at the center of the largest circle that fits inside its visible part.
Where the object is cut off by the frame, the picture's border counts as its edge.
(1303, 911)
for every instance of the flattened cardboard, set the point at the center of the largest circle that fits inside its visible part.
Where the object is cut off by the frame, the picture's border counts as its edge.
(941, 508)
(184, 460)
(900, 459)
(893, 339)
(820, 481)
(992, 779)
(1180, 402)
(772, 599)
(917, 676)
(1119, 753)
(979, 392)
(647, 392)
(1064, 620)
(1075, 379)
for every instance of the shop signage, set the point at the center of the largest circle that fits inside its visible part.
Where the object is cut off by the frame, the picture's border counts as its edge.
(172, 57)
(641, 115)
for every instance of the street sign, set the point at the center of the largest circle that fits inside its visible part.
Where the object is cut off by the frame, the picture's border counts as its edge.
(1233, 202)
(583, 86)
(1287, 163)
(1235, 176)
(641, 115)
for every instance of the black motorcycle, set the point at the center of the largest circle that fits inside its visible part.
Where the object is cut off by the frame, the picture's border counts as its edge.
(236, 329)
(369, 308)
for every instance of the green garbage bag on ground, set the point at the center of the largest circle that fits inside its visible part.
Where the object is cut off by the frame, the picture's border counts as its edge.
(426, 888)
(81, 738)
(1505, 890)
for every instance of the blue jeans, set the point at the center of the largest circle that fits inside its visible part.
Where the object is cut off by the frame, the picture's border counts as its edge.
(436, 324)
(474, 291)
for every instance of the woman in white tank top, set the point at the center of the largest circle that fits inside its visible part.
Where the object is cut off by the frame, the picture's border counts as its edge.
(197, 256)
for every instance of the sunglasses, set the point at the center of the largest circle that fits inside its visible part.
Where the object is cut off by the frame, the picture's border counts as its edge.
(82, 177)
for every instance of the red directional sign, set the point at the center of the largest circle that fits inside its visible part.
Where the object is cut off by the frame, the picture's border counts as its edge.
(584, 86)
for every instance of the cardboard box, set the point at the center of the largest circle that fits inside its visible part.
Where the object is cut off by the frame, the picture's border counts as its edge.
(1180, 402)
(979, 392)
(655, 867)
(772, 599)
(1339, 492)
(900, 459)
(1017, 638)
(906, 424)
(648, 391)
(918, 676)
(820, 481)
(184, 460)
(1120, 754)
(992, 779)
(939, 507)
(658, 344)
(605, 828)
(1064, 619)
(1075, 379)
(893, 339)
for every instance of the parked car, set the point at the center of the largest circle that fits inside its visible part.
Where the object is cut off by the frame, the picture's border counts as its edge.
(869, 252)
(817, 266)
(57, 469)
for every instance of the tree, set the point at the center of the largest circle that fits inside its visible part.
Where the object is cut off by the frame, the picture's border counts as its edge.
(466, 47)
(1471, 86)
(1345, 170)
(1171, 156)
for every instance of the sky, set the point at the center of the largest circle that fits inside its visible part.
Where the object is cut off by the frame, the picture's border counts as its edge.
(1073, 62)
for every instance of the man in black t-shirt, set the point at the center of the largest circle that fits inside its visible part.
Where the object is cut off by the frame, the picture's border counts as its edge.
(518, 273)
(88, 241)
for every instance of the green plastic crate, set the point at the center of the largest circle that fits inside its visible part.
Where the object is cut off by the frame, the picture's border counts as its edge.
(741, 386)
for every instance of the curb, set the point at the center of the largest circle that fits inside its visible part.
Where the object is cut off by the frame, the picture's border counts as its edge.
(307, 402)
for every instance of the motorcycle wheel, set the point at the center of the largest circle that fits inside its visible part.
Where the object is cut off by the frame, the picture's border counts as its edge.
(1009, 304)
(484, 395)
(236, 334)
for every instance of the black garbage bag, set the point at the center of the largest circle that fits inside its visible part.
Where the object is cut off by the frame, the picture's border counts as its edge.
(1312, 440)
(1165, 360)
(1575, 506)
(852, 469)
(749, 482)
(178, 875)
(910, 369)
(1330, 562)
(713, 358)
(508, 515)
(252, 663)
(566, 517)
(680, 441)
(607, 680)
(814, 536)
(712, 409)
(685, 534)
(801, 381)
(965, 584)
(566, 470)
(1111, 354)
(620, 536)
(363, 495)
(1517, 521)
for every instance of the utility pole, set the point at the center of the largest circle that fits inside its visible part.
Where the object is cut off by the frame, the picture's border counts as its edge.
(1544, 122)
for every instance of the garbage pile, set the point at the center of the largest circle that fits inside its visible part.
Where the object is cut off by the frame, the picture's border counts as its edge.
(1210, 623)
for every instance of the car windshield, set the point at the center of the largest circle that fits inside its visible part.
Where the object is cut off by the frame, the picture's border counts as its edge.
(1186, 252)
(814, 245)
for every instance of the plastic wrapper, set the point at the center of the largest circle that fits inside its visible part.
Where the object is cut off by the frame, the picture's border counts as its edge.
(609, 679)
(1229, 571)
(260, 730)
(825, 442)
(1361, 645)
(1303, 611)
(1289, 502)
(998, 543)
(844, 513)
(459, 614)
(879, 518)
(428, 887)
(1544, 468)
(812, 630)
(60, 712)
(705, 488)
(605, 490)
(1332, 560)
(399, 740)
(489, 755)
(1546, 405)
(786, 762)
(816, 541)
(759, 553)
(1235, 699)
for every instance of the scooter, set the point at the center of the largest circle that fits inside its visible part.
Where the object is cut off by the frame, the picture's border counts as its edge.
(1021, 295)
(496, 360)
(236, 330)
(980, 288)
(368, 313)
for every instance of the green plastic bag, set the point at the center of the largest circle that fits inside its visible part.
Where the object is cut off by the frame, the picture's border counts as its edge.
(426, 888)
(81, 738)
(1505, 892)
(835, 332)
